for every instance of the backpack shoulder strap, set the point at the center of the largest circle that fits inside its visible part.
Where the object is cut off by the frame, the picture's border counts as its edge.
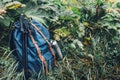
(39, 52)
(49, 44)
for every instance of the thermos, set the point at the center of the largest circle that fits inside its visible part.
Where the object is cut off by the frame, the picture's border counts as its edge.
(57, 48)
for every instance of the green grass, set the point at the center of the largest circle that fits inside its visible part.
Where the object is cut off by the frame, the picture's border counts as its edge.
(72, 67)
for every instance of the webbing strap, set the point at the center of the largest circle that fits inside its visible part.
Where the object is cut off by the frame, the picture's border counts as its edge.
(49, 44)
(39, 53)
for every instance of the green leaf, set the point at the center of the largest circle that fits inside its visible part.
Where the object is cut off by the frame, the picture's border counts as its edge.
(76, 10)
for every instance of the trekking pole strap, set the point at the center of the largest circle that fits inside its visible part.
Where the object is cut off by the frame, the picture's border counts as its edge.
(49, 44)
(39, 52)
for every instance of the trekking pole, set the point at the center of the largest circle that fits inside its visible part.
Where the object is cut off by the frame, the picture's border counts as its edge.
(24, 53)
(25, 57)
(24, 48)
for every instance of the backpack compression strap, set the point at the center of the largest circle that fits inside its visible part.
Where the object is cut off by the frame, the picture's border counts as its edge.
(39, 52)
(49, 44)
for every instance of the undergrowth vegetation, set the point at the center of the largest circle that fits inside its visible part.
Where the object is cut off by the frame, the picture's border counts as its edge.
(88, 32)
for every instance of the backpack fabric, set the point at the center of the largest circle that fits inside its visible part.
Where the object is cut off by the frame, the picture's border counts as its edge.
(34, 62)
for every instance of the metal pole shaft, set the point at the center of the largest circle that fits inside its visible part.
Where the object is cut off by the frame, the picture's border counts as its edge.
(25, 57)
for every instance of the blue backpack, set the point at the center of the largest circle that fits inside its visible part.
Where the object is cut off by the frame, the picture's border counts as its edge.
(30, 43)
